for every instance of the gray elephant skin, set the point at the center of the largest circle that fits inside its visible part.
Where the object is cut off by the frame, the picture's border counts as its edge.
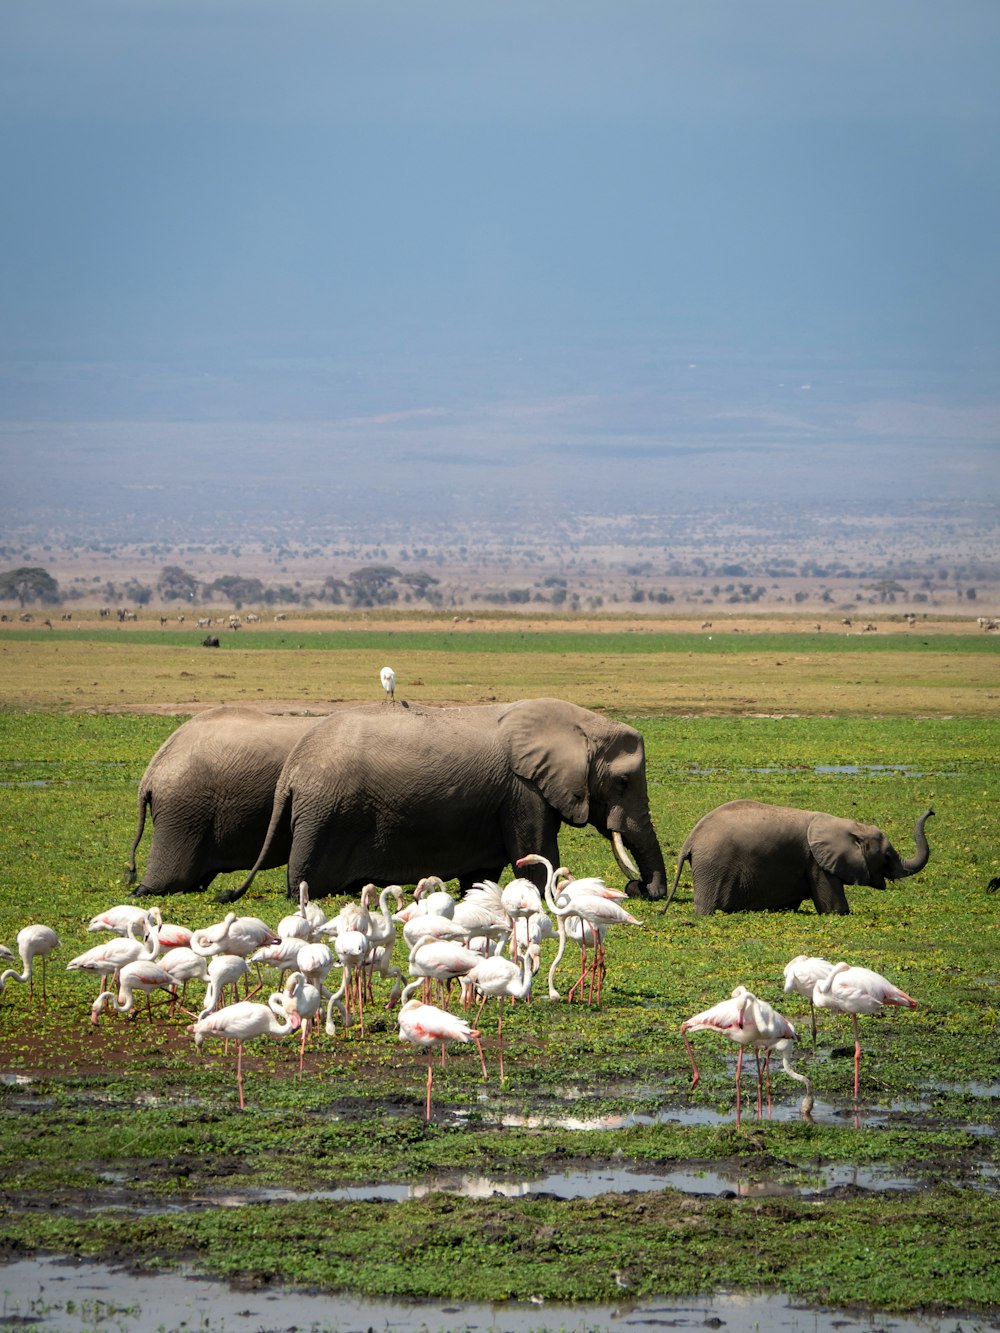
(392, 792)
(210, 789)
(746, 856)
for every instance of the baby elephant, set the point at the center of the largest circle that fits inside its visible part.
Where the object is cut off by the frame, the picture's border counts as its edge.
(749, 857)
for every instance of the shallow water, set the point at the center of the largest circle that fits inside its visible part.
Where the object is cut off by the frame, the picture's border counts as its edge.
(583, 1183)
(70, 1298)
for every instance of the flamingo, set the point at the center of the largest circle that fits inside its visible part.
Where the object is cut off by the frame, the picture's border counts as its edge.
(858, 990)
(382, 938)
(225, 969)
(500, 977)
(240, 935)
(388, 678)
(352, 948)
(144, 975)
(174, 936)
(427, 1026)
(315, 960)
(429, 926)
(301, 1001)
(118, 919)
(242, 1022)
(520, 899)
(184, 965)
(106, 959)
(438, 960)
(437, 900)
(481, 915)
(801, 975)
(750, 1022)
(284, 955)
(32, 942)
(599, 912)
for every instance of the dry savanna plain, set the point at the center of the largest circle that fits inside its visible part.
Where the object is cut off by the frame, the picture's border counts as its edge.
(122, 1138)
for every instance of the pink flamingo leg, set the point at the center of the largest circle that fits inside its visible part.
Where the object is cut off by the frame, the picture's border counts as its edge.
(739, 1089)
(430, 1080)
(239, 1070)
(857, 1057)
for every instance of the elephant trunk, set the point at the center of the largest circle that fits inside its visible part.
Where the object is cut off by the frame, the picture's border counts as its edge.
(904, 867)
(642, 863)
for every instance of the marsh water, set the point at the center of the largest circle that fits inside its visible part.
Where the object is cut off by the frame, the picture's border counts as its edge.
(62, 1297)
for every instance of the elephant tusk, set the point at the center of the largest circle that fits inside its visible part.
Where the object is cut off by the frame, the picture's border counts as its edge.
(625, 862)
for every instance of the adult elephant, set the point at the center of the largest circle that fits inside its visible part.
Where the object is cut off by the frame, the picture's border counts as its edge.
(749, 857)
(390, 793)
(209, 789)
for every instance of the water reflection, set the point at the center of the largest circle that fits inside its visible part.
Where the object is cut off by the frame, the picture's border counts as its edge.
(56, 1297)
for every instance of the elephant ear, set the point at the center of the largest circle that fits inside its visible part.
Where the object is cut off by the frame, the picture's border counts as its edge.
(548, 747)
(838, 848)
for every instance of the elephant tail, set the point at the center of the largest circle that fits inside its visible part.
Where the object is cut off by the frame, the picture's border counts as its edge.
(145, 801)
(685, 856)
(279, 813)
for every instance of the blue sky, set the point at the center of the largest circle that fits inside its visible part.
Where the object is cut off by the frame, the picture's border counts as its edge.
(294, 209)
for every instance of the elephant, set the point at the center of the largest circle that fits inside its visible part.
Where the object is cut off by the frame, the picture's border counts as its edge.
(746, 856)
(387, 794)
(209, 789)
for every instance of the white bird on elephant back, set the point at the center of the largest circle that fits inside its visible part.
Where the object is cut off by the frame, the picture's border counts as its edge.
(388, 678)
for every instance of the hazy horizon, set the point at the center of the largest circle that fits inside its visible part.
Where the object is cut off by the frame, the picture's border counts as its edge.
(331, 263)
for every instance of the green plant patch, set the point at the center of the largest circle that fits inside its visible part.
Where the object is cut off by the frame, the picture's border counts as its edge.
(120, 1113)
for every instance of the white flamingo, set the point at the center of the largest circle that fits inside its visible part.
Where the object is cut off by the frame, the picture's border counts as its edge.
(32, 942)
(501, 978)
(118, 919)
(225, 969)
(242, 1022)
(184, 965)
(427, 1026)
(106, 959)
(801, 976)
(599, 912)
(302, 1002)
(438, 960)
(749, 1022)
(144, 976)
(858, 990)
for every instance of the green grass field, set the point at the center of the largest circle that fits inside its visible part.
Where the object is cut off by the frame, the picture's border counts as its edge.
(135, 1101)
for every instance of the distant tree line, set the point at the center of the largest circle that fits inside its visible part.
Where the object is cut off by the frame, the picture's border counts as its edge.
(369, 586)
